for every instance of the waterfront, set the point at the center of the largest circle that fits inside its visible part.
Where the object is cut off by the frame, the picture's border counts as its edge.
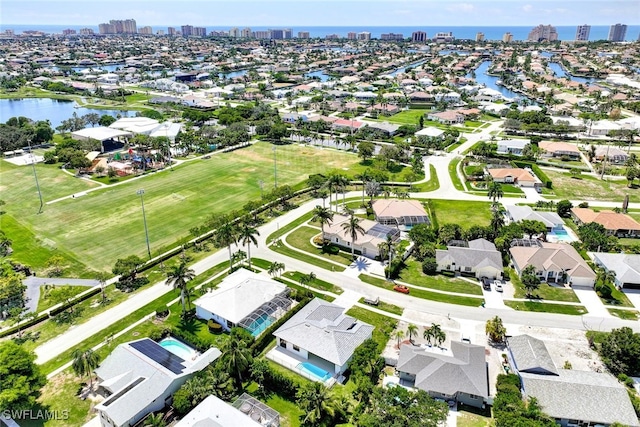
(54, 110)
(491, 81)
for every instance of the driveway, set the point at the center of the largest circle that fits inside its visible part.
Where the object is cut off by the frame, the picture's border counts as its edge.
(493, 298)
(592, 302)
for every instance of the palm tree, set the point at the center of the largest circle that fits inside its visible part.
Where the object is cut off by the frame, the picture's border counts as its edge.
(495, 191)
(317, 402)
(84, 362)
(353, 227)
(605, 276)
(226, 235)
(495, 329)
(247, 235)
(322, 215)
(412, 329)
(435, 333)
(387, 248)
(273, 268)
(398, 334)
(178, 276)
(427, 334)
(236, 358)
(497, 221)
(155, 420)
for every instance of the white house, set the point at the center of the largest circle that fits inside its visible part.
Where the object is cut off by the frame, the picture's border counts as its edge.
(245, 299)
(551, 220)
(479, 258)
(625, 266)
(512, 146)
(245, 411)
(366, 244)
(140, 377)
(321, 337)
(603, 127)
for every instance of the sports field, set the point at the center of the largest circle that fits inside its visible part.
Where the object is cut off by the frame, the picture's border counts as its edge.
(106, 224)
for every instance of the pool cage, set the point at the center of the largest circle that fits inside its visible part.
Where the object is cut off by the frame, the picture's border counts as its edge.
(257, 411)
(262, 317)
(403, 220)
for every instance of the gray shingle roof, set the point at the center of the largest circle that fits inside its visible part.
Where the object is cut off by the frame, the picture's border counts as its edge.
(531, 355)
(465, 371)
(626, 266)
(581, 395)
(470, 257)
(323, 329)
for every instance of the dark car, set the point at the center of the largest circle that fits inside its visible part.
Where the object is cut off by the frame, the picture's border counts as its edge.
(486, 284)
(401, 288)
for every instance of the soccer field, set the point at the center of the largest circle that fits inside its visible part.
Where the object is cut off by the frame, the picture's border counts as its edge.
(106, 224)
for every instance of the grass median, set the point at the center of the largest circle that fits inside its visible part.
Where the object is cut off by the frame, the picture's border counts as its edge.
(541, 307)
(285, 250)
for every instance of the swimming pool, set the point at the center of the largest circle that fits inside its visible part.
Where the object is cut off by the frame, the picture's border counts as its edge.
(560, 235)
(314, 371)
(178, 348)
(260, 324)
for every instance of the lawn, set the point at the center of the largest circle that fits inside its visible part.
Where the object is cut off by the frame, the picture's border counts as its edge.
(464, 213)
(383, 324)
(541, 307)
(315, 283)
(287, 228)
(453, 173)
(617, 298)
(624, 314)
(385, 306)
(544, 292)
(432, 185)
(174, 201)
(302, 256)
(413, 274)
(301, 239)
(425, 293)
(407, 117)
(590, 188)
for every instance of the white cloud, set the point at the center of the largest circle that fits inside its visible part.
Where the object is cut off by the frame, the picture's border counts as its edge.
(461, 7)
(527, 8)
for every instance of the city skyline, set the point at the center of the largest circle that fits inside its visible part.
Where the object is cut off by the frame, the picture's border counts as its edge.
(353, 12)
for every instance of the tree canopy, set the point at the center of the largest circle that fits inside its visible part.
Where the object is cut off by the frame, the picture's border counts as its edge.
(20, 378)
(398, 407)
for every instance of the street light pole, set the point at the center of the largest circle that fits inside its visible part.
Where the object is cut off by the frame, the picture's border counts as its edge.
(35, 175)
(140, 193)
(261, 184)
(275, 169)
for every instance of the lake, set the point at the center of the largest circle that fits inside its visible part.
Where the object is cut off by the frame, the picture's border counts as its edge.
(559, 72)
(319, 74)
(53, 110)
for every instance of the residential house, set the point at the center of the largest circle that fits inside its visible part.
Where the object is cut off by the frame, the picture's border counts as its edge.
(367, 244)
(551, 220)
(293, 118)
(396, 212)
(320, 339)
(452, 97)
(512, 146)
(616, 224)
(612, 154)
(479, 257)
(625, 266)
(140, 377)
(349, 125)
(515, 176)
(384, 109)
(447, 117)
(458, 374)
(420, 97)
(245, 411)
(559, 149)
(430, 131)
(554, 262)
(245, 299)
(388, 128)
(570, 396)
(603, 128)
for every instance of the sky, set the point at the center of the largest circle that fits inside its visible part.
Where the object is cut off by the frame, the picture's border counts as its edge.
(224, 13)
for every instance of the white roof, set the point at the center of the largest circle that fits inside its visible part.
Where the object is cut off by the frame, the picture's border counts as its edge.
(430, 131)
(100, 133)
(136, 124)
(239, 295)
(168, 129)
(214, 412)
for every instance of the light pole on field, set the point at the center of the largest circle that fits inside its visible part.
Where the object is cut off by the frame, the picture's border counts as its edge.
(275, 168)
(35, 175)
(140, 193)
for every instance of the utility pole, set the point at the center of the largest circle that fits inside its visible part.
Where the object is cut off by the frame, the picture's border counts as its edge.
(35, 175)
(275, 169)
(140, 193)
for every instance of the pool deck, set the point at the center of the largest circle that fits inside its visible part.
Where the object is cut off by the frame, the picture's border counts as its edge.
(291, 362)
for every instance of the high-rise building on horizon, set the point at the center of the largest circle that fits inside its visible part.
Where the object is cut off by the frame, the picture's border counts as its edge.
(392, 36)
(617, 33)
(234, 32)
(171, 31)
(351, 35)
(186, 30)
(303, 34)
(365, 35)
(419, 37)
(68, 32)
(86, 31)
(507, 37)
(145, 30)
(199, 31)
(287, 33)
(480, 37)
(262, 34)
(582, 32)
(543, 33)
(444, 37)
(245, 33)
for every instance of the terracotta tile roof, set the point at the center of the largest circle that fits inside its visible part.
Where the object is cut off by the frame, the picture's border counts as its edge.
(520, 174)
(610, 220)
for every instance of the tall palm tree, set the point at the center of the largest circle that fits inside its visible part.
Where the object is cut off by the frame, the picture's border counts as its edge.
(387, 248)
(247, 235)
(317, 402)
(427, 334)
(398, 334)
(605, 276)
(322, 215)
(497, 221)
(354, 228)
(412, 329)
(84, 362)
(495, 191)
(236, 358)
(178, 276)
(227, 235)
(437, 333)
(273, 268)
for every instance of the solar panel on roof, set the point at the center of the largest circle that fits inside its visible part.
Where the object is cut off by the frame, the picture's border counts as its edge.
(159, 354)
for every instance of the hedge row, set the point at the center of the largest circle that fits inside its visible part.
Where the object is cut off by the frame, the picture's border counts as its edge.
(536, 169)
(265, 338)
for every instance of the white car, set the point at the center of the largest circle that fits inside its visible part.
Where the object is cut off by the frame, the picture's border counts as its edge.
(498, 286)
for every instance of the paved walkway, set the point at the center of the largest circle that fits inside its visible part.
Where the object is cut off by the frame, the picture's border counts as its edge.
(34, 283)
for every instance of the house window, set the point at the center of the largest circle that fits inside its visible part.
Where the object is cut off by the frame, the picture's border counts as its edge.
(230, 324)
(296, 348)
(283, 344)
(467, 269)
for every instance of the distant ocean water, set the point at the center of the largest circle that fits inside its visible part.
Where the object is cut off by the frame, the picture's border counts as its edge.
(599, 32)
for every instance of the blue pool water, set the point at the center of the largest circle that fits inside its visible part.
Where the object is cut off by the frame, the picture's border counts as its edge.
(561, 235)
(178, 348)
(314, 371)
(260, 324)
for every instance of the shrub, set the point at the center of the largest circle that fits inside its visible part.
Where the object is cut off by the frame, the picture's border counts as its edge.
(265, 338)
(214, 327)
(429, 266)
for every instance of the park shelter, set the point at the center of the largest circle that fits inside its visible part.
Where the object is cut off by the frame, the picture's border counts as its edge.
(102, 134)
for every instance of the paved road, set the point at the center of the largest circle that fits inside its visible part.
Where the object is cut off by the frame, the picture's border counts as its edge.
(79, 333)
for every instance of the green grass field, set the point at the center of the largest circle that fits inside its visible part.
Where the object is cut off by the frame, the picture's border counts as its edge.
(590, 188)
(104, 225)
(462, 212)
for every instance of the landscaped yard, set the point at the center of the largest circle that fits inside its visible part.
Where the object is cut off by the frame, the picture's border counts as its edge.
(315, 283)
(385, 306)
(545, 291)
(453, 173)
(303, 256)
(541, 307)
(301, 239)
(432, 185)
(174, 201)
(383, 324)
(464, 213)
(590, 188)
(413, 274)
(624, 314)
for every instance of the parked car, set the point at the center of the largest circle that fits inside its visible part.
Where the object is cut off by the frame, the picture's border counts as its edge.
(401, 288)
(486, 283)
(498, 286)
